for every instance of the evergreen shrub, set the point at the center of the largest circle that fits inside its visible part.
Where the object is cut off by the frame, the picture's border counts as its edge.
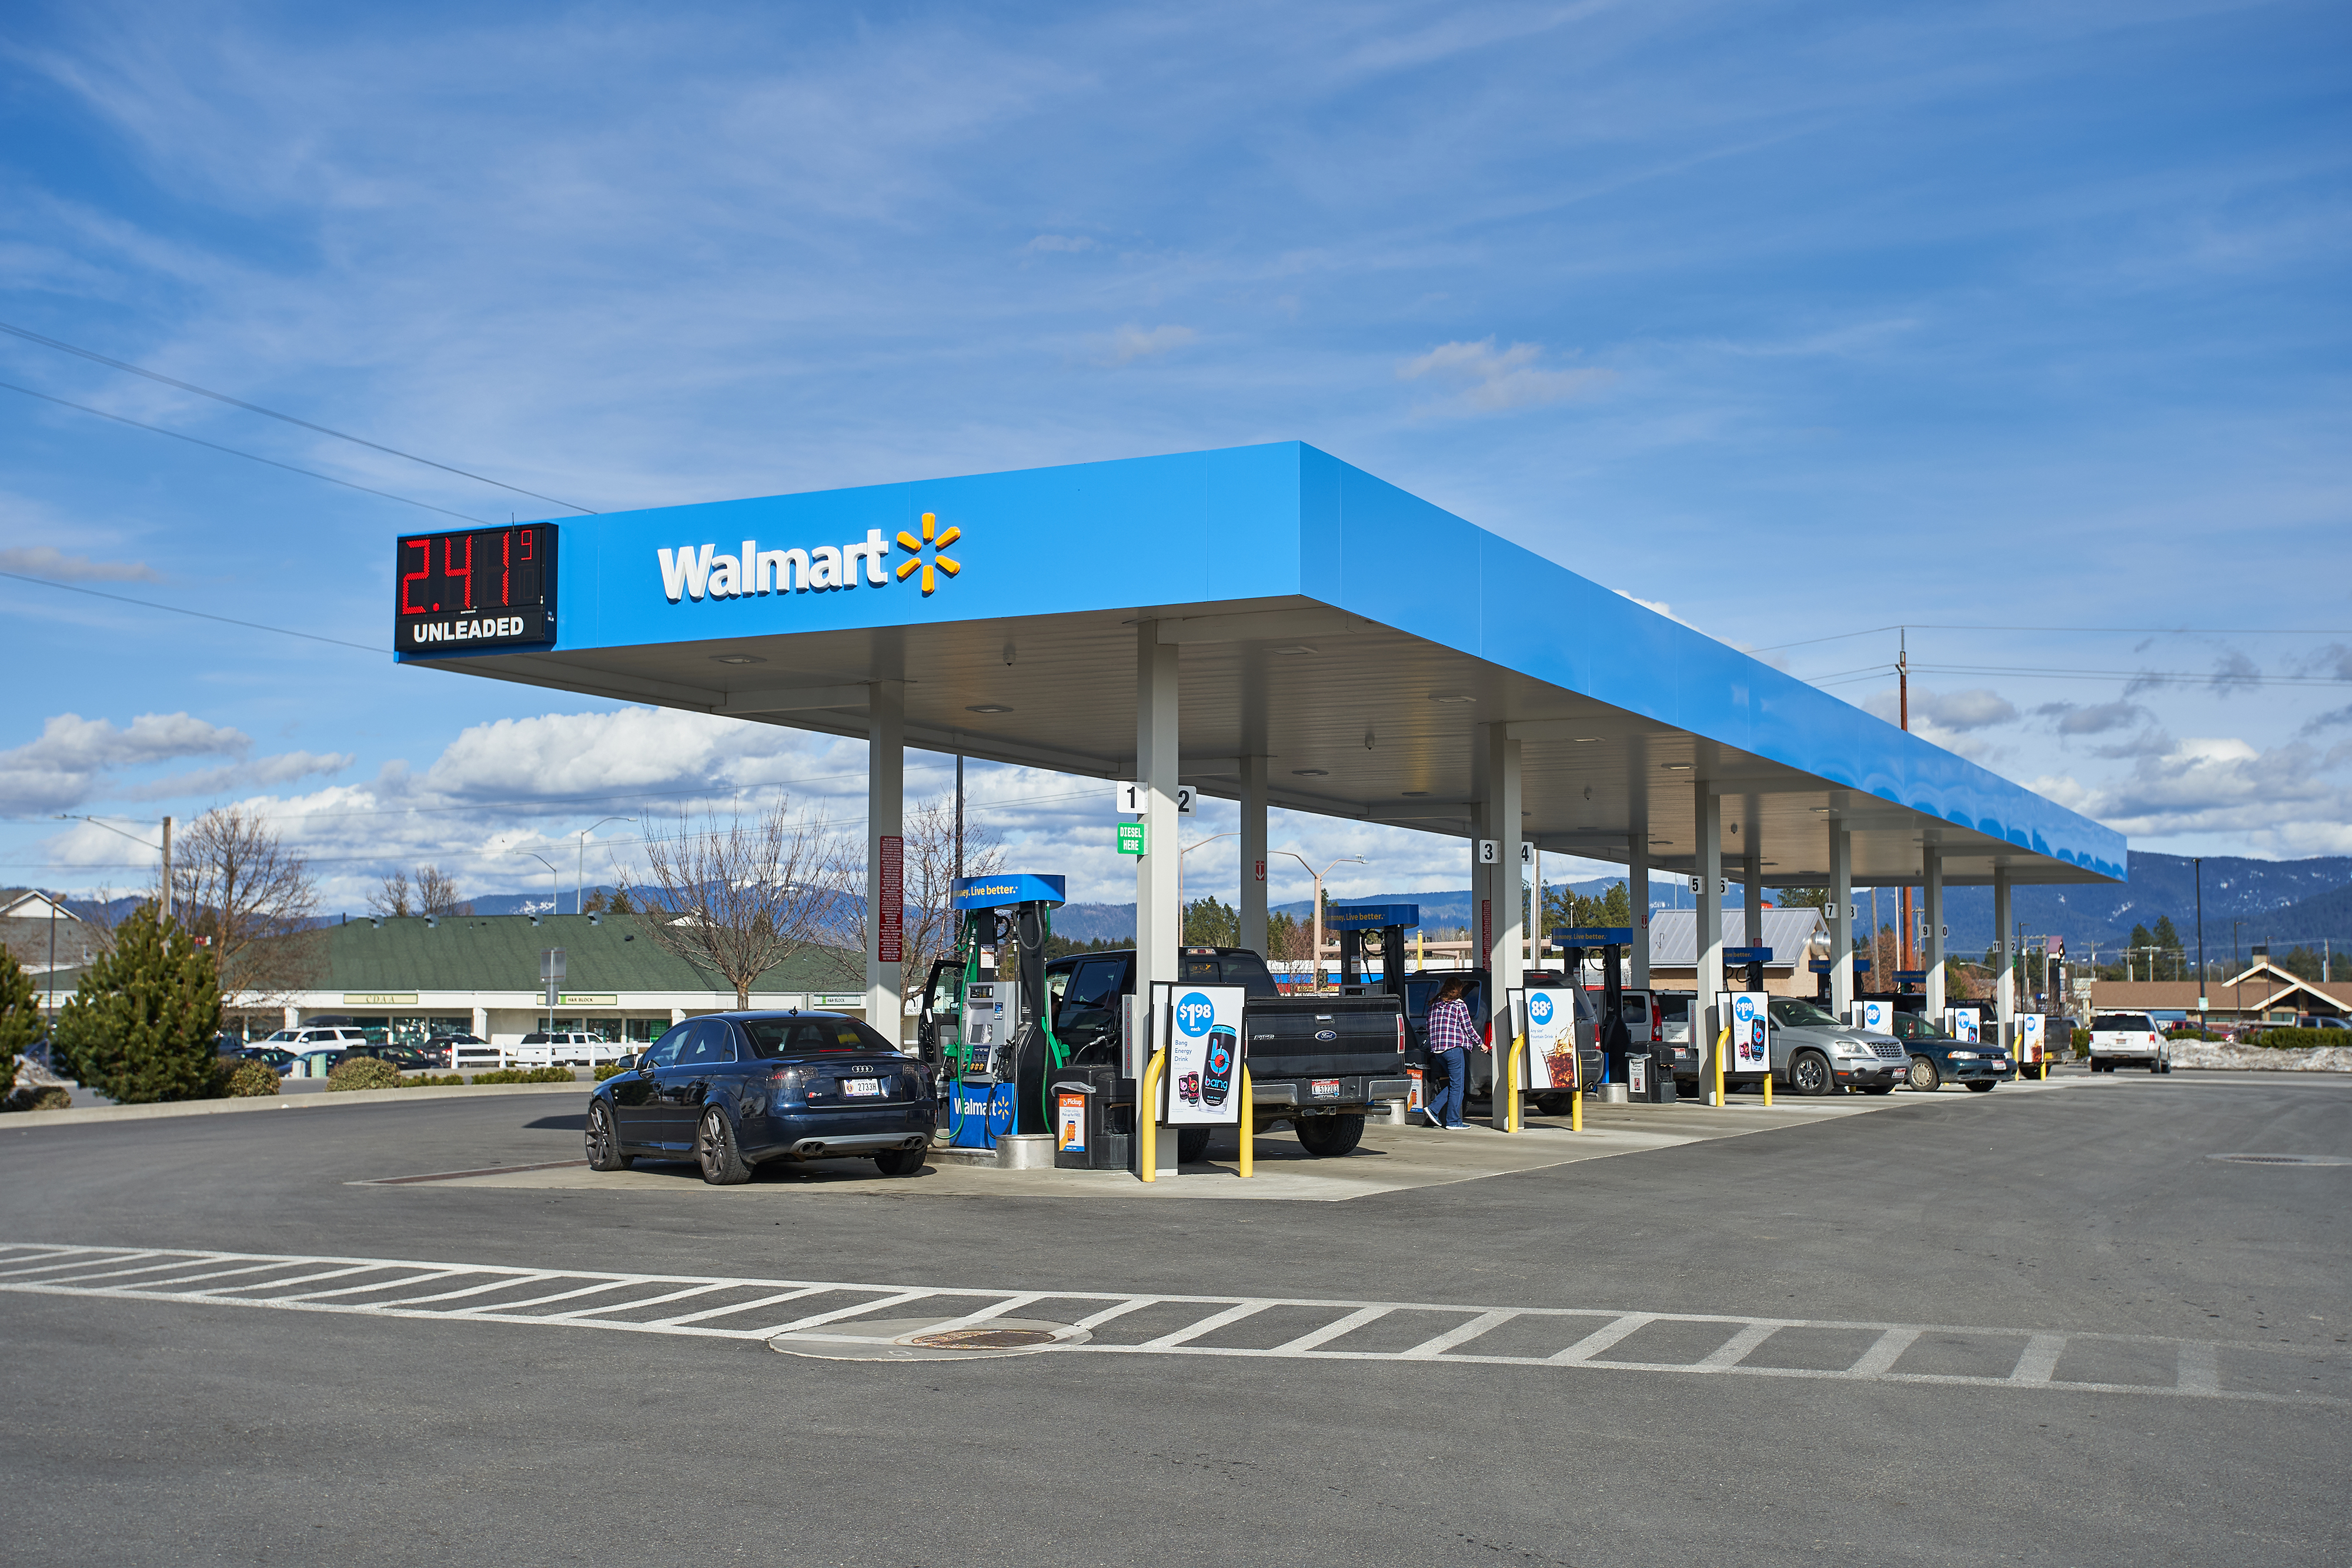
(361, 1072)
(141, 1025)
(250, 1081)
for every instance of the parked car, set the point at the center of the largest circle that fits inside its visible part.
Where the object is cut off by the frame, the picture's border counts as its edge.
(1937, 1058)
(405, 1058)
(270, 1056)
(313, 1049)
(2320, 1021)
(2134, 1038)
(438, 1047)
(1815, 1054)
(733, 1090)
(562, 1049)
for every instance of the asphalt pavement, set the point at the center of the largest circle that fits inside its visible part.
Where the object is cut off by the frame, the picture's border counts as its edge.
(2095, 1343)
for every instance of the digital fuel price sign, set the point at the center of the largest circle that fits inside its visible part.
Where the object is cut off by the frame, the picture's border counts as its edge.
(478, 588)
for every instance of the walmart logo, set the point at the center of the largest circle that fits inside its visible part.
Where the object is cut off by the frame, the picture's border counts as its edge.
(926, 551)
(702, 572)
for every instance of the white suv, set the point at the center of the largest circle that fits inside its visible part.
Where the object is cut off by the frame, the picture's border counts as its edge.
(563, 1050)
(2119, 1038)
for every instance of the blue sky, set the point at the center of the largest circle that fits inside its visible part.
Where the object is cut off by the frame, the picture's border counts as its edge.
(1797, 320)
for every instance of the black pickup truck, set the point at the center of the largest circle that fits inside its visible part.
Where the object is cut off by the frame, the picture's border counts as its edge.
(1319, 1061)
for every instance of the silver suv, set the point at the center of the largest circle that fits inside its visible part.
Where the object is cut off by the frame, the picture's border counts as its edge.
(1814, 1054)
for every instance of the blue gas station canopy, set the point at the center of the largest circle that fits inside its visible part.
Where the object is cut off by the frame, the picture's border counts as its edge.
(1353, 634)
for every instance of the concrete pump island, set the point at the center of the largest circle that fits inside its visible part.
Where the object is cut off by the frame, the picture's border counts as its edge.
(1271, 626)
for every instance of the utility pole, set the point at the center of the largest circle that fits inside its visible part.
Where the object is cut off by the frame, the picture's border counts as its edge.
(959, 840)
(2198, 864)
(166, 901)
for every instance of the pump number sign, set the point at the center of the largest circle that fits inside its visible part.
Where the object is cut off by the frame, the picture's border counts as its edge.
(1205, 1056)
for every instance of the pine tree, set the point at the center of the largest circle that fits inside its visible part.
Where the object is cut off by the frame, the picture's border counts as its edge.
(20, 1016)
(141, 1025)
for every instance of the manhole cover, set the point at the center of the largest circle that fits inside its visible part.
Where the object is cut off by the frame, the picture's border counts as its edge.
(2282, 1159)
(928, 1339)
(982, 1339)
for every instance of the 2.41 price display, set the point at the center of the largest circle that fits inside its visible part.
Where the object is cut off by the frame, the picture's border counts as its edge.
(476, 589)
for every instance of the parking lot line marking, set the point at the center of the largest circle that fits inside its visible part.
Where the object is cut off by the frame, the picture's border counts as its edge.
(634, 1302)
(2200, 1376)
(141, 1268)
(501, 1283)
(1332, 1331)
(1601, 1339)
(994, 1310)
(1884, 1353)
(821, 1319)
(81, 1259)
(1108, 1314)
(1209, 1324)
(1736, 1349)
(2039, 1359)
(2199, 1370)
(1461, 1334)
(373, 1285)
(737, 1307)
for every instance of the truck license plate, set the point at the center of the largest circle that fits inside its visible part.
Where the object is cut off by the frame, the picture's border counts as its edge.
(1325, 1089)
(866, 1088)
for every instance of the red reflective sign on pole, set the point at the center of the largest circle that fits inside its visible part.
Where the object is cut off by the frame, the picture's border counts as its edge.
(890, 920)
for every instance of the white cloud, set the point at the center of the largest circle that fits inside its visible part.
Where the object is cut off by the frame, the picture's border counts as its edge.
(1497, 380)
(284, 767)
(1131, 343)
(1957, 712)
(44, 561)
(2277, 801)
(2096, 718)
(65, 767)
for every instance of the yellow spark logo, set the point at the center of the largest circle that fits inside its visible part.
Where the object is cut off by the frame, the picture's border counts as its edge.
(933, 542)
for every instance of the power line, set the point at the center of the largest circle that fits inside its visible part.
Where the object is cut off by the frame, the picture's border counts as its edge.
(2038, 673)
(288, 418)
(199, 614)
(233, 452)
(2116, 631)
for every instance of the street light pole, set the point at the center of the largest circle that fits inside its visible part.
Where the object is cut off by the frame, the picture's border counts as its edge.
(2198, 864)
(580, 865)
(554, 907)
(1187, 850)
(1314, 951)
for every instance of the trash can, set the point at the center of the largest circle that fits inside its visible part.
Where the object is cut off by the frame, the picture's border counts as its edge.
(1083, 1139)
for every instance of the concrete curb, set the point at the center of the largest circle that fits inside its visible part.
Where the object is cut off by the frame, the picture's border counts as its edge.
(17, 1121)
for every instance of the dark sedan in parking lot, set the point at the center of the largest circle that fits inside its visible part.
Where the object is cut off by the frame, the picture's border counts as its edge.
(732, 1091)
(1937, 1058)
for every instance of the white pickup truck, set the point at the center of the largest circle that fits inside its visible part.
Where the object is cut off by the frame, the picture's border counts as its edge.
(2133, 1038)
(564, 1049)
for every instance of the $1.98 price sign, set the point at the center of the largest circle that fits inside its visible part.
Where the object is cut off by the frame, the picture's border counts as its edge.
(1203, 1041)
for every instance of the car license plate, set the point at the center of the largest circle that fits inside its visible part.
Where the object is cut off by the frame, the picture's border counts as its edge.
(862, 1088)
(1325, 1089)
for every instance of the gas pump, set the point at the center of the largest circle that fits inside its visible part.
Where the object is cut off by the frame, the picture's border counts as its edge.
(987, 1012)
(1353, 921)
(1645, 1077)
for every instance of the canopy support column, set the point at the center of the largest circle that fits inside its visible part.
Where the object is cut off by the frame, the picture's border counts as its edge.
(1841, 920)
(1253, 837)
(1706, 809)
(1506, 965)
(1637, 895)
(2004, 919)
(1931, 865)
(1159, 919)
(886, 860)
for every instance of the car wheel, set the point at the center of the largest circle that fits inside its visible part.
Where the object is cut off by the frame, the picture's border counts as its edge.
(714, 1146)
(1878, 1089)
(901, 1162)
(1925, 1076)
(1809, 1074)
(1555, 1105)
(1191, 1146)
(605, 1140)
(2098, 1064)
(1982, 1086)
(1328, 1136)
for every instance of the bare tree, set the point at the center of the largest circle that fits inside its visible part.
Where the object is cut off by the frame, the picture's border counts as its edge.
(392, 900)
(436, 892)
(929, 860)
(249, 899)
(735, 898)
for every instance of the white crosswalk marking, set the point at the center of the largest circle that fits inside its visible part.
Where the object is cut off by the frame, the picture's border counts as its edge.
(1560, 1337)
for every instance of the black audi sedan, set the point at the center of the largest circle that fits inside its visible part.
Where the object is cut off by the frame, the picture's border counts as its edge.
(732, 1091)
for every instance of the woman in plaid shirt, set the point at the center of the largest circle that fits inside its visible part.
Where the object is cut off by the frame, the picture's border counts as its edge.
(1452, 1034)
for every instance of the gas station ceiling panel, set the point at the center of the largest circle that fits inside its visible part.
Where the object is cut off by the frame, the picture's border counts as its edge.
(1355, 636)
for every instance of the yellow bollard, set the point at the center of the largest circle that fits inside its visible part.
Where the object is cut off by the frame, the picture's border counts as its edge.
(1576, 1095)
(1249, 1125)
(1720, 1042)
(1515, 1114)
(1767, 1080)
(1147, 1117)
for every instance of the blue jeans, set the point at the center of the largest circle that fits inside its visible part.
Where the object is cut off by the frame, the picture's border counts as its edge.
(1449, 1074)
